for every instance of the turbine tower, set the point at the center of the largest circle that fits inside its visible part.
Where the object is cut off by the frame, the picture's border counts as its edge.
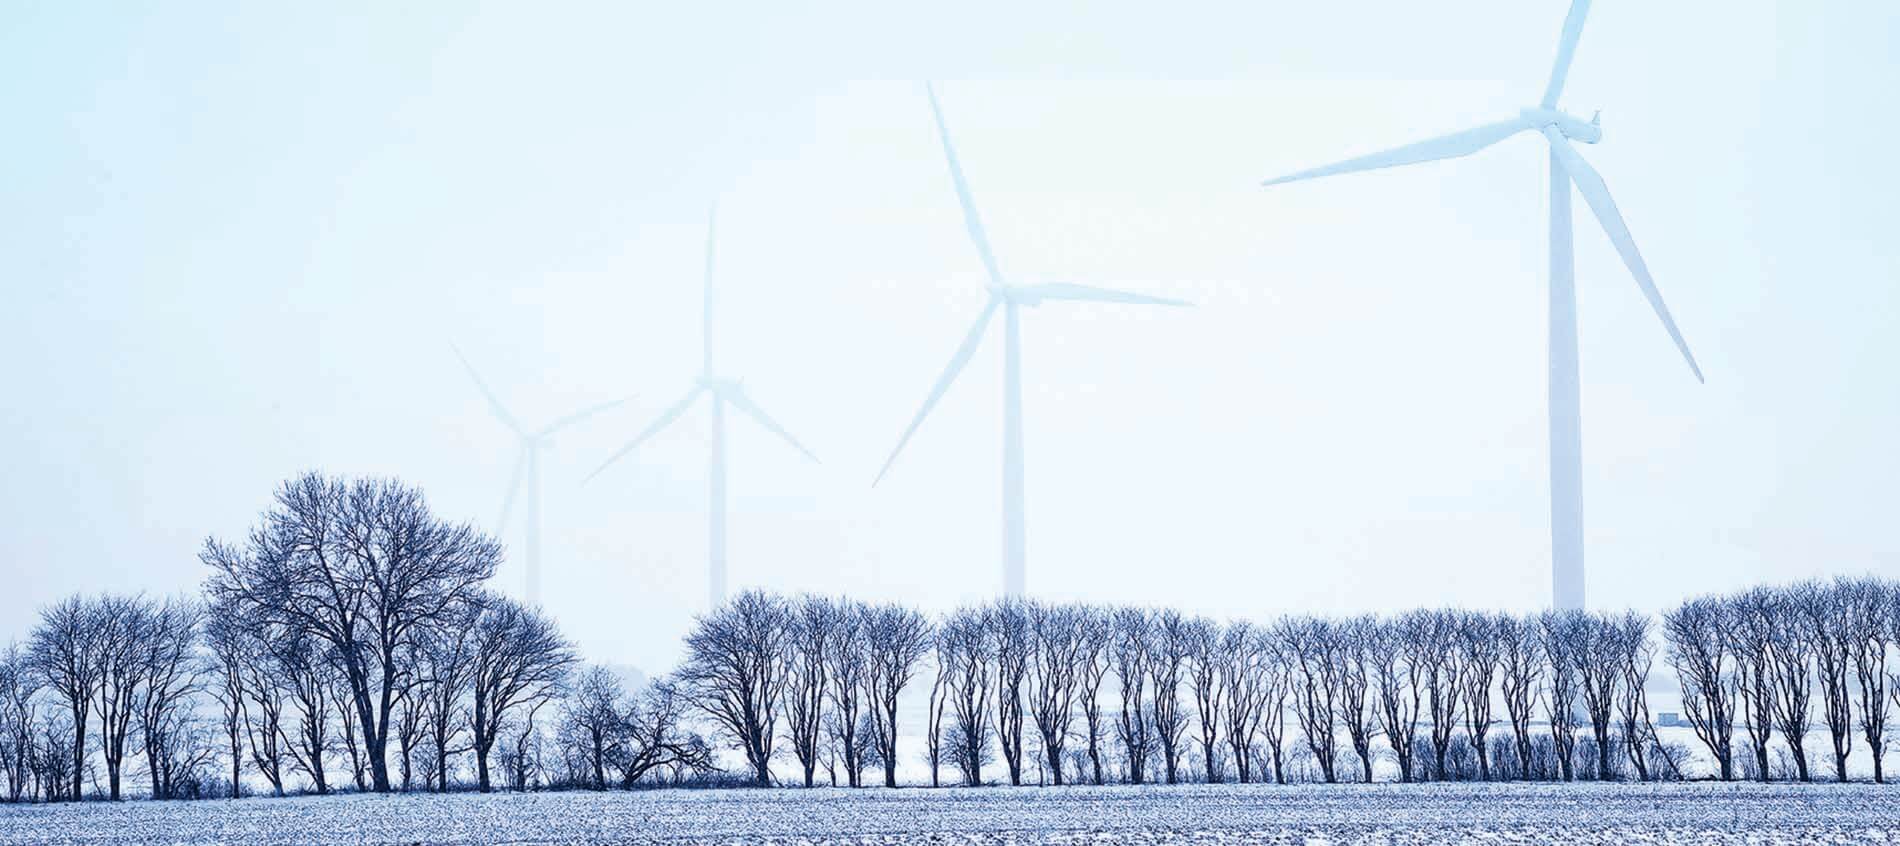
(1558, 129)
(1010, 298)
(527, 472)
(724, 392)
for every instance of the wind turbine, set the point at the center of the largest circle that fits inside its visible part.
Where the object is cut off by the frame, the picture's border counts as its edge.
(1010, 298)
(1566, 168)
(723, 392)
(527, 471)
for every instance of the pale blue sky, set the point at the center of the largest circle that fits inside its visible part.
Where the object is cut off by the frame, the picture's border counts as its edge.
(237, 239)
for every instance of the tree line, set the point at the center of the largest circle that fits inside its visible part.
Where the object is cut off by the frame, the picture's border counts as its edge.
(350, 642)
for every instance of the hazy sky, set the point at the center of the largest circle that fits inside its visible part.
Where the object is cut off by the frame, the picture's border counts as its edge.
(237, 240)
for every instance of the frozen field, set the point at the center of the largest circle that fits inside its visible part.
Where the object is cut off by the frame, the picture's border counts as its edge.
(1686, 813)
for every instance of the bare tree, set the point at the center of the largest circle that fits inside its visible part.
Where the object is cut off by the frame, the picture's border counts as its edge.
(967, 653)
(1634, 657)
(121, 625)
(1520, 667)
(1205, 663)
(1008, 625)
(1313, 647)
(358, 565)
(944, 647)
(896, 639)
(64, 651)
(1751, 619)
(738, 658)
(1056, 642)
(1389, 647)
(1130, 655)
(1243, 677)
(17, 687)
(444, 679)
(1168, 658)
(1278, 686)
(1358, 707)
(812, 639)
(1480, 641)
(306, 676)
(1442, 666)
(171, 675)
(591, 717)
(1867, 601)
(1699, 653)
(520, 662)
(1095, 633)
(1562, 635)
(1598, 656)
(1792, 649)
(849, 662)
(1824, 614)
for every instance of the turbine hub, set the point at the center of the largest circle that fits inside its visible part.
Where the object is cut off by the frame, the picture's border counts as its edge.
(1016, 295)
(1569, 125)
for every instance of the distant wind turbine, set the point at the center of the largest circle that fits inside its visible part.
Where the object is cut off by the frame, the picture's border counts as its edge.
(528, 471)
(724, 392)
(1008, 297)
(1566, 168)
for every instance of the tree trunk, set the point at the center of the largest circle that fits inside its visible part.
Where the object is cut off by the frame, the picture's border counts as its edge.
(481, 767)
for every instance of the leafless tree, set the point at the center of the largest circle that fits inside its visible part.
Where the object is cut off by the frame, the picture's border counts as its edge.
(1277, 688)
(1867, 602)
(1313, 647)
(306, 675)
(593, 722)
(1011, 646)
(738, 658)
(1598, 655)
(1793, 652)
(1699, 653)
(1095, 635)
(1055, 635)
(1480, 639)
(1130, 654)
(655, 738)
(444, 677)
(896, 640)
(1824, 615)
(1441, 665)
(171, 673)
(1751, 619)
(1562, 636)
(17, 714)
(944, 649)
(812, 639)
(968, 653)
(1520, 669)
(520, 662)
(1168, 659)
(1358, 705)
(1389, 647)
(122, 624)
(226, 640)
(849, 669)
(358, 565)
(64, 651)
(1205, 663)
(1242, 659)
(1635, 654)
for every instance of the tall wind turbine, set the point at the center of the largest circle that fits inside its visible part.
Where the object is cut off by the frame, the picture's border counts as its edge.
(1010, 298)
(723, 392)
(527, 471)
(1566, 168)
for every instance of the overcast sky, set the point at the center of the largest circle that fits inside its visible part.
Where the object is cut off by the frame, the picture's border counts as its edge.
(237, 241)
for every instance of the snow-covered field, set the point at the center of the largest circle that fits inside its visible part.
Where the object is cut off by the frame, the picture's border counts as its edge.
(1680, 813)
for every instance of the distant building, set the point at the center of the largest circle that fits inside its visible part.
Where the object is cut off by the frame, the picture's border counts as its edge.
(1670, 719)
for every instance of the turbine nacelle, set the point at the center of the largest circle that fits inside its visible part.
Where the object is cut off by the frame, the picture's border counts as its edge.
(1017, 295)
(1568, 125)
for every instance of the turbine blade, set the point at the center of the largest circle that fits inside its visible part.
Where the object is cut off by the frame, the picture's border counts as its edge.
(665, 419)
(494, 405)
(964, 351)
(578, 416)
(1590, 184)
(1566, 50)
(514, 487)
(1066, 291)
(737, 396)
(1432, 149)
(706, 336)
(971, 220)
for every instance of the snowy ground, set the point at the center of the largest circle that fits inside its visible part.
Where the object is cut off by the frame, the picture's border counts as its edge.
(1684, 813)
